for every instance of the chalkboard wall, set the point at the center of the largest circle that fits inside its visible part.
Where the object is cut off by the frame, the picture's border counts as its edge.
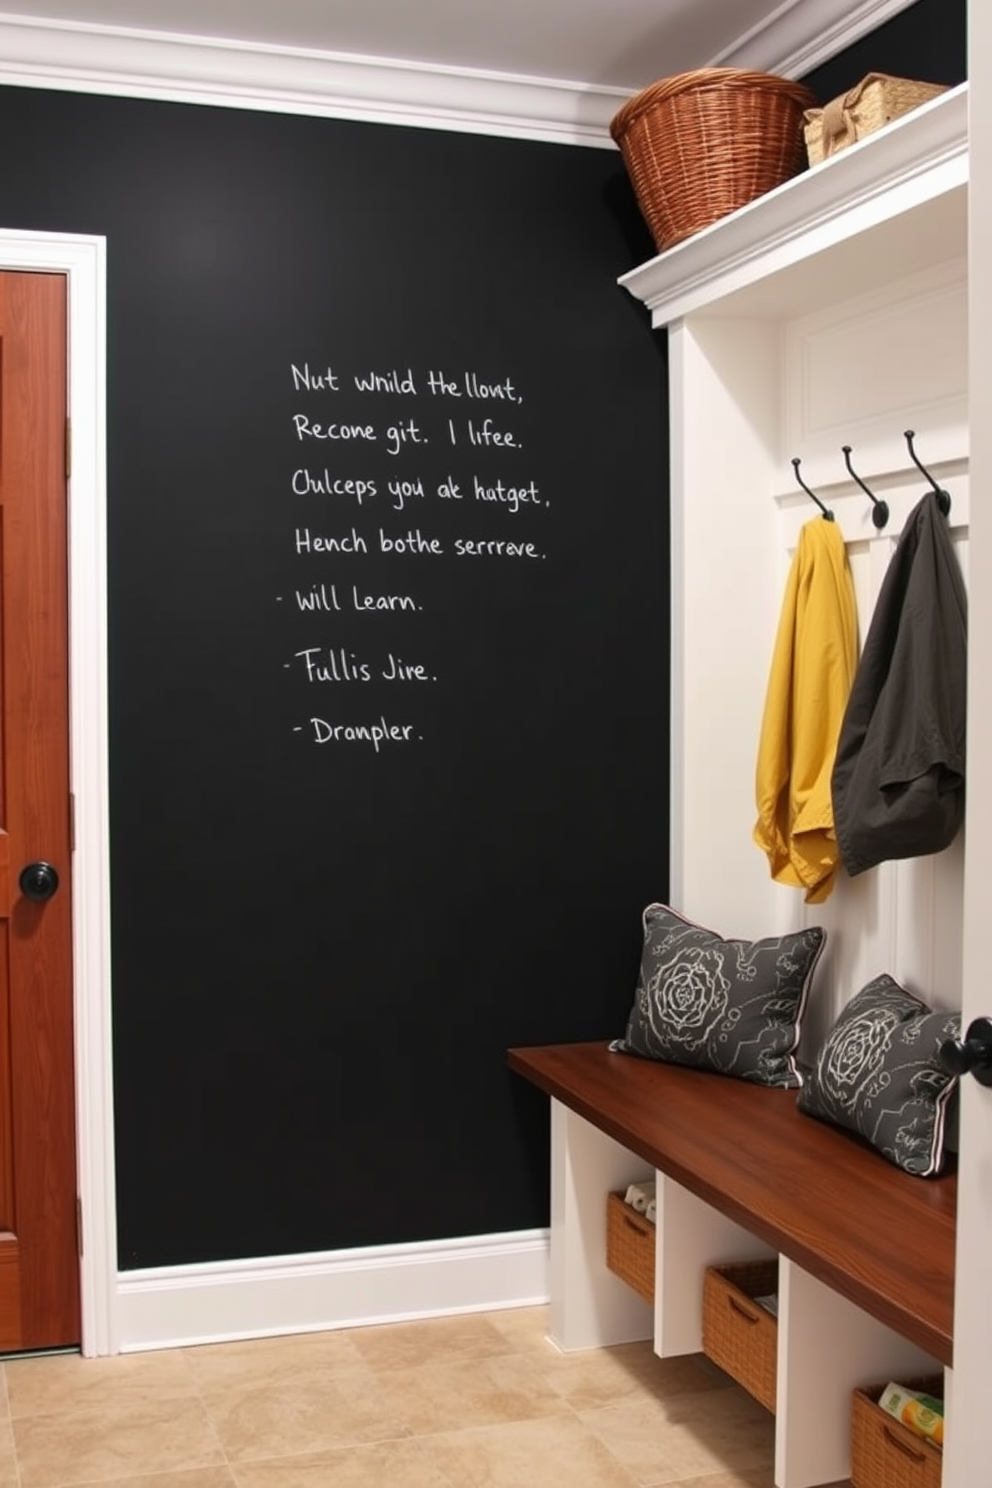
(388, 655)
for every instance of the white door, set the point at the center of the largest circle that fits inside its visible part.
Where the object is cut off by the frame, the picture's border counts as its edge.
(967, 1462)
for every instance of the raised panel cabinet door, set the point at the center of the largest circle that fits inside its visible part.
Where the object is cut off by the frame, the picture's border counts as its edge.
(39, 1265)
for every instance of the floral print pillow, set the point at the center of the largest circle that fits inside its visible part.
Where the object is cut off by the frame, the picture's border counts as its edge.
(879, 1074)
(733, 1006)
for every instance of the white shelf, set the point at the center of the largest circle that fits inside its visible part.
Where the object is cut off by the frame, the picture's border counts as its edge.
(894, 203)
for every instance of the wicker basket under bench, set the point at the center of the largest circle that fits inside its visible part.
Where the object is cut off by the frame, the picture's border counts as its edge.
(884, 1452)
(630, 1243)
(739, 1334)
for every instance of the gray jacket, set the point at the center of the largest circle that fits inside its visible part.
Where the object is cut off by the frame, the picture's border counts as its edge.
(898, 777)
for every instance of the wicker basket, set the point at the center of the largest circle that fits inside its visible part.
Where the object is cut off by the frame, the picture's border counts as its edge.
(876, 101)
(886, 1454)
(738, 1334)
(704, 143)
(630, 1246)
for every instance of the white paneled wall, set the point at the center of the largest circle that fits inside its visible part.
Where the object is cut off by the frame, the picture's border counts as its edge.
(861, 371)
(722, 537)
(751, 395)
(861, 375)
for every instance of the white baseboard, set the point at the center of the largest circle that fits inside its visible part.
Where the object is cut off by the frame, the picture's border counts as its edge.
(173, 1306)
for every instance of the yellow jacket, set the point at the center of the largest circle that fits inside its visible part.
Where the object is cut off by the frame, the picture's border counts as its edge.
(813, 665)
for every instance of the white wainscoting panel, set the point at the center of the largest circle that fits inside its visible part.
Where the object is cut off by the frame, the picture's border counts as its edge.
(863, 372)
(861, 375)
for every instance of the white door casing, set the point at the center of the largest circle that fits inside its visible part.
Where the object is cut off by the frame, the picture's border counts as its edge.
(966, 1455)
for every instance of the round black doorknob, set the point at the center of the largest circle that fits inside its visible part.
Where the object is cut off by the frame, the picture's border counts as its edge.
(38, 881)
(972, 1054)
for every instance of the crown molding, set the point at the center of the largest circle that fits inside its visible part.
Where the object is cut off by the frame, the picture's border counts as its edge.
(35, 53)
(801, 34)
(143, 64)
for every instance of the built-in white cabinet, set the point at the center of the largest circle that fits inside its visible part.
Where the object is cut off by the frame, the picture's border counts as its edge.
(831, 312)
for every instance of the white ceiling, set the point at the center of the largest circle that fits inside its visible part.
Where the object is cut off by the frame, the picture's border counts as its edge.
(601, 43)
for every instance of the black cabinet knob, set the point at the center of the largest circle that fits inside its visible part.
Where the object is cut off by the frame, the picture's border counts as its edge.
(38, 881)
(972, 1054)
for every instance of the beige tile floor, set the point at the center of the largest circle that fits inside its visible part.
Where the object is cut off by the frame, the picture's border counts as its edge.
(482, 1401)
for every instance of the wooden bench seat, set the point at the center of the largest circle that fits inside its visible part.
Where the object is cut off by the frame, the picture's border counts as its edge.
(879, 1237)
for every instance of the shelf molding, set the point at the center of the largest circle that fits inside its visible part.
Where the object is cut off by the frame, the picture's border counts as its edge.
(916, 159)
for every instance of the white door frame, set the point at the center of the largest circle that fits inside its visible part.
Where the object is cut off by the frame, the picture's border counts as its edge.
(83, 261)
(966, 1452)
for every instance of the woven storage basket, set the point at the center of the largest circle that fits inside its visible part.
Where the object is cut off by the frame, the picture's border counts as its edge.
(630, 1243)
(886, 1454)
(738, 1334)
(876, 101)
(701, 144)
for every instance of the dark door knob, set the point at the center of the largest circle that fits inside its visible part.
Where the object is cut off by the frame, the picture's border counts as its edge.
(971, 1055)
(38, 881)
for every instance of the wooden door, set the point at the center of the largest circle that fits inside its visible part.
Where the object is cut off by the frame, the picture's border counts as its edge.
(39, 1267)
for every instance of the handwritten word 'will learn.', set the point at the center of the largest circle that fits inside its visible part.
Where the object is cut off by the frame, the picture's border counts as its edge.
(438, 384)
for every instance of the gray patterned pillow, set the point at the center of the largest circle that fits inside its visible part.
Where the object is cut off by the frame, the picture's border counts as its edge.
(732, 1006)
(879, 1074)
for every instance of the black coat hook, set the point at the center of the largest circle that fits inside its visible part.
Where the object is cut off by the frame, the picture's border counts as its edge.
(943, 497)
(811, 494)
(879, 508)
